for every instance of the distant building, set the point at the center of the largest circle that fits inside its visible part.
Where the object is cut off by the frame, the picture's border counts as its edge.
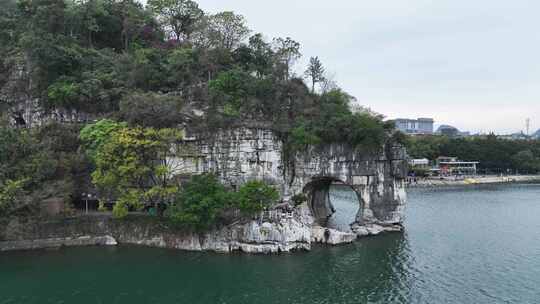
(419, 163)
(452, 166)
(416, 165)
(415, 126)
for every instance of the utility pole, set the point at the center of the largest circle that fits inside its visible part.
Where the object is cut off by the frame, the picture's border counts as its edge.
(528, 125)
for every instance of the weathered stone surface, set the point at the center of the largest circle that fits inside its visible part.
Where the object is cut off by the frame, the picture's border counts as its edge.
(106, 240)
(374, 229)
(286, 235)
(243, 154)
(331, 236)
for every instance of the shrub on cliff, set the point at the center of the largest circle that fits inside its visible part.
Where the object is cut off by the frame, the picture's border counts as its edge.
(331, 121)
(37, 164)
(200, 202)
(203, 201)
(11, 194)
(255, 196)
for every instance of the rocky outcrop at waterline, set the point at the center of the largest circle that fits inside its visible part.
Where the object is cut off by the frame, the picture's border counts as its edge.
(290, 233)
(238, 155)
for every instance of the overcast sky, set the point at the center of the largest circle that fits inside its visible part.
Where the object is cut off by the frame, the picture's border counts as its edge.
(473, 64)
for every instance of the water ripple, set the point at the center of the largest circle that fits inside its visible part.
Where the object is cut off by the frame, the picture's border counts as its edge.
(461, 245)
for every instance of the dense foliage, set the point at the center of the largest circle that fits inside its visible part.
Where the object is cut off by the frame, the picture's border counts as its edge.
(133, 165)
(494, 154)
(38, 164)
(203, 201)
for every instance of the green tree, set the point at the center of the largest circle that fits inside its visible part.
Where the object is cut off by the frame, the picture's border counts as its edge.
(179, 17)
(182, 67)
(526, 161)
(288, 52)
(200, 202)
(134, 21)
(22, 157)
(233, 88)
(315, 72)
(144, 69)
(227, 30)
(11, 196)
(90, 12)
(9, 23)
(135, 167)
(39, 163)
(256, 196)
(95, 136)
(261, 58)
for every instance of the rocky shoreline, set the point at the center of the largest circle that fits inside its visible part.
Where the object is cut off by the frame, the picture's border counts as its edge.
(478, 180)
(286, 235)
(241, 155)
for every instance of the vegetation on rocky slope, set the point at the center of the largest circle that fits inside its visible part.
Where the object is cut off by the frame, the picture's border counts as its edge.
(139, 75)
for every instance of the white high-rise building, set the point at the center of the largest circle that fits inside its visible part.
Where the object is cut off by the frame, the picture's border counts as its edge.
(415, 126)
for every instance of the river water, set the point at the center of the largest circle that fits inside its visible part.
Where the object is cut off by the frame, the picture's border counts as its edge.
(461, 245)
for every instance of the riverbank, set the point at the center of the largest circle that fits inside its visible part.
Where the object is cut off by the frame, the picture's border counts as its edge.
(474, 180)
(293, 233)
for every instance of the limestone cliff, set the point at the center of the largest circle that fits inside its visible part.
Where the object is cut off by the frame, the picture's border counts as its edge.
(243, 154)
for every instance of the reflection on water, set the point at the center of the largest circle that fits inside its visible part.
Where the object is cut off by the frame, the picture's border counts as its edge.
(346, 205)
(461, 245)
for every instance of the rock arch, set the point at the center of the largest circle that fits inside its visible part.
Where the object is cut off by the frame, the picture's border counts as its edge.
(319, 193)
(239, 155)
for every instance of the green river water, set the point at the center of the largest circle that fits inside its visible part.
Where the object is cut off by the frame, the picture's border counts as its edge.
(478, 244)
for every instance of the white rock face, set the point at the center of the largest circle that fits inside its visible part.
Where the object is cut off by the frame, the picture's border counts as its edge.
(331, 236)
(58, 242)
(109, 241)
(374, 229)
(239, 155)
(244, 154)
(261, 237)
